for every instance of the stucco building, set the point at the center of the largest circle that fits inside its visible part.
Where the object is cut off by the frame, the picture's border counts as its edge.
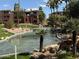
(18, 15)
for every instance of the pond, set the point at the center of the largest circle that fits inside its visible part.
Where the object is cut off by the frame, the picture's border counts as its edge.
(25, 43)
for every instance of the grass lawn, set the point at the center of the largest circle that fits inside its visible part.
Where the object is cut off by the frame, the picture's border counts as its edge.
(28, 26)
(3, 33)
(19, 57)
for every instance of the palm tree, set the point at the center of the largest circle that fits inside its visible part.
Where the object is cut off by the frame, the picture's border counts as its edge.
(41, 33)
(51, 5)
(66, 1)
(57, 2)
(74, 43)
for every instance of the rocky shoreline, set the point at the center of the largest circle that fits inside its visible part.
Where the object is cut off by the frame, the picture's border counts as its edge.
(48, 52)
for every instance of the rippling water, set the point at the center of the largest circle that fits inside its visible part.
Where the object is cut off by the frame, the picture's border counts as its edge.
(25, 43)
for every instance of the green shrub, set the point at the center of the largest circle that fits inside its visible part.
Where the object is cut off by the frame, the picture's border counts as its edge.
(28, 26)
(65, 56)
(9, 24)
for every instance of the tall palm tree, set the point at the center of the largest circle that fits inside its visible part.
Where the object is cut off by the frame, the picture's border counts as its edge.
(51, 5)
(74, 42)
(41, 33)
(66, 1)
(57, 2)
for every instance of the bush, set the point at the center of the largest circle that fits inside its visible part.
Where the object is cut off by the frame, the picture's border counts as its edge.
(28, 26)
(65, 56)
(9, 24)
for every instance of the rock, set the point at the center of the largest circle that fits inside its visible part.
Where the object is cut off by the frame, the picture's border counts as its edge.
(41, 56)
(44, 50)
(47, 53)
(51, 50)
(36, 54)
(35, 50)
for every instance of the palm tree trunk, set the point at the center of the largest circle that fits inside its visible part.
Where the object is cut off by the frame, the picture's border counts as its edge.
(41, 43)
(74, 42)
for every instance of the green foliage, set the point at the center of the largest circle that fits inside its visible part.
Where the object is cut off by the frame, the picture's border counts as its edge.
(4, 33)
(16, 5)
(31, 26)
(40, 8)
(65, 56)
(40, 32)
(19, 15)
(73, 9)
(41, 15)
(72, 12)
(53, 3)
(71, 25)
(9, 24)
(19, 57)
(1, 21)
(57, 20)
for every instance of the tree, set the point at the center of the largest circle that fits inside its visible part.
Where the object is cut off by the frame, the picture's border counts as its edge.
(41, 15)
(73, 24)
(9, 24)
(52, 4)
(19, 16)
(41, 33)
(66, 1)
(74, 42)
(57, 2)
(57, 20)
(73, 9)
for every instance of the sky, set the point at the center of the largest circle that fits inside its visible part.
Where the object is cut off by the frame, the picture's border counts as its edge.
(28, 4)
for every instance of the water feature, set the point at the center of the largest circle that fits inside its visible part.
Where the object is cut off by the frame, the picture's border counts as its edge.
(25, 43)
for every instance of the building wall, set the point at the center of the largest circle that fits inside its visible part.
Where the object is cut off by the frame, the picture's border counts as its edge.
(5, 15)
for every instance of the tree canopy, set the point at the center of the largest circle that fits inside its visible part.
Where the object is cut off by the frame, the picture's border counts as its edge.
(73, 9)
(41, 15)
